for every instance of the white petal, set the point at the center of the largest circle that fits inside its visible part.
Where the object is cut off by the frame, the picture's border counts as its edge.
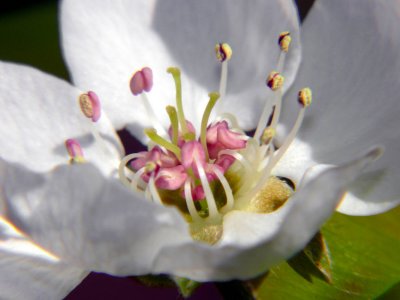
(105, 228)
(253, 243)
(38, 113)
(89, 221)
(28, 272)
(104, 42)
(295, 162)
(350, 61)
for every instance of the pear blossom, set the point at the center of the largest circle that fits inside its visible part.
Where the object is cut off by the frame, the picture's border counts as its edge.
(71, 217)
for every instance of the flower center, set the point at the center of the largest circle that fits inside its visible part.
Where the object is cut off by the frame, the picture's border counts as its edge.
(209, 173)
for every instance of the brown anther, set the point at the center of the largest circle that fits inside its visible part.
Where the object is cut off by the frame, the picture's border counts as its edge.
(223, 52)
(275, 80)
(284, 41)
(305, 97)
(267, 135)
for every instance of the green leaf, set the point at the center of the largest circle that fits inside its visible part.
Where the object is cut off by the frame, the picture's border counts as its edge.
(365, 262)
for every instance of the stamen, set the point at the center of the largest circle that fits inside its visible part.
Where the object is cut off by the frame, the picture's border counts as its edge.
(75, 151)
(90, 105)
(153, 191)
(212, 207)
(305, 97)
(305, 100)
(268, 134)
(122, 166)
(173, 118)
(224, 53)
(275, 80)
(190, 203)
(137, 179)
(284, 41)
(176, 74)
(263, 119)
(152, 134)
(141, 81)
(91, 108)
(227, 190)
(204, 121)
(237, 156)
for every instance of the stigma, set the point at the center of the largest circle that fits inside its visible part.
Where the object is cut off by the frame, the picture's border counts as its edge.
(209, 169)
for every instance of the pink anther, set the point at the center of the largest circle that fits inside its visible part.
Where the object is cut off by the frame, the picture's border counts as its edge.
(171, 178)
(141, 81)
(90, 105)
(220, 137)
(74, 148)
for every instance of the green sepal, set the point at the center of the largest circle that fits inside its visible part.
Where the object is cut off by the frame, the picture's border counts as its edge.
(186, 286)
(314, 260)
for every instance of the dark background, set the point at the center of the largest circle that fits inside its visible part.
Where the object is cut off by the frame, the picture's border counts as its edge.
(29, 35)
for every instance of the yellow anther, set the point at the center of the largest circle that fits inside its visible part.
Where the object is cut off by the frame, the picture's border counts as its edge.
(305, 97)
(223, 52)
(86, 105)
(275, 80)
(267, 135)
(90, 105)
(284, 40)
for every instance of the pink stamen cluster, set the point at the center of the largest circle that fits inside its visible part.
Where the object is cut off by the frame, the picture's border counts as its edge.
(171, 173)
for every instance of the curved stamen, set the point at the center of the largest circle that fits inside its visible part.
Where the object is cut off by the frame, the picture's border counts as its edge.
(153, 191)
(232, 121)
(190, 203)
(237, 156)
(137, 180)
(227, 190)
(122, 166)
(212, 207)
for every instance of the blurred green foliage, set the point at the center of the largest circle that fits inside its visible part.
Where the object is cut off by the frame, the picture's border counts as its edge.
(29, 35)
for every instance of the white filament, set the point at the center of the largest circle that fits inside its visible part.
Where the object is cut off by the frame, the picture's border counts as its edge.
(227, 190)
(212, 207)
(152, 117)
(122, 165)
(153, 191)
(190, 203)
(240, 158)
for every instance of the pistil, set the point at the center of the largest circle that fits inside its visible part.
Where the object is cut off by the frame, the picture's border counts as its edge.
(176, 74)
(206, 115)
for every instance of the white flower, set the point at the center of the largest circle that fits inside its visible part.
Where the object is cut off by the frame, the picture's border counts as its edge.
(88, 220)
